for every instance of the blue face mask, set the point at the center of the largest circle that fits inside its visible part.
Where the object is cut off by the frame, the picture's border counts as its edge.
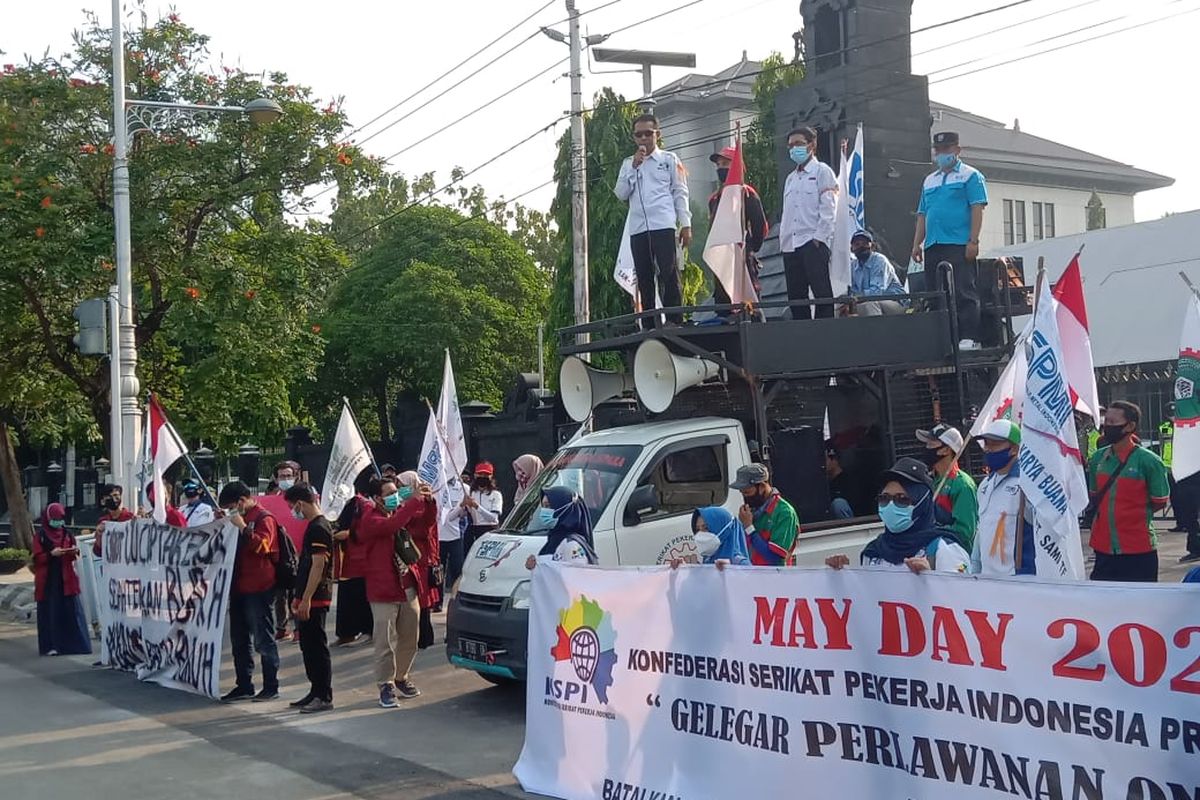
(945, 160)
(392, 501)
(285, 484)
(405, 492)
(57, 523)
(997, 461)
(895, 518)
(546, 517)
(799, 154)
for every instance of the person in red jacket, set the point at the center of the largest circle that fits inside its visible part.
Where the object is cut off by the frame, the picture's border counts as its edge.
(111, 500)
(426, 539)
(393, 589)
(252, 601)
(175, 517)
(62, 629)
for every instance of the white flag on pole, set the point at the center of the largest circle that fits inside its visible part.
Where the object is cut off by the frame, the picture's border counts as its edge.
(844, 227)
(349, 456)
(454, 441)
(1051, 470)
(1185, 459)
(435, 471)
(623, 271)
(854, 184)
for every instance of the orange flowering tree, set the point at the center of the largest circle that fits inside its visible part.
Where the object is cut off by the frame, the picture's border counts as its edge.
(227, 276)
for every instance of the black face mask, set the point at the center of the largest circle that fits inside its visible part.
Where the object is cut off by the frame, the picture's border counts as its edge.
(862, 255)
(758, 499)
(722, 174)
(1113, 433)
(483, 483)
(931, 457)
(111, 503)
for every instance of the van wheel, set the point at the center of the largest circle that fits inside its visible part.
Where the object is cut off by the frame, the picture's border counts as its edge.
(498, 680)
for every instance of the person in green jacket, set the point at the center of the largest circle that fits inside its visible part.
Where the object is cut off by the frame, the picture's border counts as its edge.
(956, 502)
(771, 523)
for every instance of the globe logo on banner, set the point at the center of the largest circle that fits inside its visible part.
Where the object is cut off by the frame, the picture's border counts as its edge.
(586, 640)
(1187, 405)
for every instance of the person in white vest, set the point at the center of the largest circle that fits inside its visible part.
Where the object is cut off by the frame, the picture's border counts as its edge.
(1003, 546)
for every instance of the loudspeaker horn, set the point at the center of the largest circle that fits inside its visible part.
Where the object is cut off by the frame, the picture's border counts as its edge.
(659, 374)
(583, 387)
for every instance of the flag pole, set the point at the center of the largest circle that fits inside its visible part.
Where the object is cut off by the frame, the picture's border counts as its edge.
(361, 437)
(1189, 283)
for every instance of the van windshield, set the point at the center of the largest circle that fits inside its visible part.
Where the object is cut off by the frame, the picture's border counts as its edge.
(594, 473)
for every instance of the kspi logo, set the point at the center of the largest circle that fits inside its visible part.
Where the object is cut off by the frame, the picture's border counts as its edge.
(586, 640)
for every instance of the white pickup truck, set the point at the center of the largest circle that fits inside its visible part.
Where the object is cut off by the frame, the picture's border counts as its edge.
(641, 484)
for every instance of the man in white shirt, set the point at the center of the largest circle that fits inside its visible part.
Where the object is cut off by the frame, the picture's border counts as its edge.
(1003, 546)
(806, 230)
(654, 183)
(198, 510)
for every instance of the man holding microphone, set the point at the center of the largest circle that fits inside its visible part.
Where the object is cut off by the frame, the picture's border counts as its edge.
(654, 183)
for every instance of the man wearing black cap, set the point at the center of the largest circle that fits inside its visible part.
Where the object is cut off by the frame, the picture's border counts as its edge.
(771, 524)
(755, 224)
(198, 510)
(949, 220)
(872, 275)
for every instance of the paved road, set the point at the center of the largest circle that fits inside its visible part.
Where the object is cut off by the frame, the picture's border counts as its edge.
(68, 730)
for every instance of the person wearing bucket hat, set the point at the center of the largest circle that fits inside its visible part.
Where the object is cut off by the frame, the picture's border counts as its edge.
(911, 538)
(1003, 546)
(955, 500)
(771, 524)
(755, 224)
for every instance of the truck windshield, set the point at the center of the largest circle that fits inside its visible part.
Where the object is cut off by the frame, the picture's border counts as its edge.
(594, 473)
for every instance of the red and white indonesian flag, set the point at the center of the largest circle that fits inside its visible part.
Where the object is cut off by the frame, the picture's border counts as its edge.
(1051, 470)
(1008, 396)
(725, 249)
(1076, 341)
(163, 448)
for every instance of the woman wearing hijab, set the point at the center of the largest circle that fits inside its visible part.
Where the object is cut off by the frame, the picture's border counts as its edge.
(525, 470)
(424, 533)
(911, 538)
(62, 629)
(568, 525)
(720, 537)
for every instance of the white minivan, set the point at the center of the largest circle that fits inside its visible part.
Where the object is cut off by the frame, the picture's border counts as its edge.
(641, 484)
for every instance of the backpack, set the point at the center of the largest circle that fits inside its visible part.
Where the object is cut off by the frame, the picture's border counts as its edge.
(287, 563)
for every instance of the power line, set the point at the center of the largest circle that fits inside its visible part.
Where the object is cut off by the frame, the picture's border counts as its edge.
(668, 12)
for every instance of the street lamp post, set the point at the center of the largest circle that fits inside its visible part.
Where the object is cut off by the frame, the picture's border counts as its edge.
(124, 407)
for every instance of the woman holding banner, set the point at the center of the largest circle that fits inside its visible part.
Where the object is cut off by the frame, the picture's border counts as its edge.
(62, 629)
(911, 538)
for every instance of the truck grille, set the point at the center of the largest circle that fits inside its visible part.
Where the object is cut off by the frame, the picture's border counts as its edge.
(480, 602)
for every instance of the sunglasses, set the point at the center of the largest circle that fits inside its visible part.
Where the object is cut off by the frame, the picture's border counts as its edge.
(644, 134)
(901, 500)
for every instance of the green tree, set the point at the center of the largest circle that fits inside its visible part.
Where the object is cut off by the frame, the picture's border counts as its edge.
(761, 148)
(224, 284)
(436, 279)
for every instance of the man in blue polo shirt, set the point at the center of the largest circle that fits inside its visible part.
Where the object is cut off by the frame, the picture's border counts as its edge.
(949, 219)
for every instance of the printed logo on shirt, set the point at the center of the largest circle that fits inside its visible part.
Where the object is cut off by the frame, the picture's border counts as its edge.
(586, 642)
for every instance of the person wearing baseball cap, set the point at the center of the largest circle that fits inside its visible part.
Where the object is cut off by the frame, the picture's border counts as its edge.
(911, 537)
(771, 524)
(483, 506)
(956, 504)
(949, 222)
(1003, 547)
(872, 275)
(198, 509)
(755, 224)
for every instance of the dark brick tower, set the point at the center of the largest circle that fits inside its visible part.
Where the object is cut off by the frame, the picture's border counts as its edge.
(859, 69)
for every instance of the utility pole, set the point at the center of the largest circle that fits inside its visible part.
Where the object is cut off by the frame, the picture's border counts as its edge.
(579, 215)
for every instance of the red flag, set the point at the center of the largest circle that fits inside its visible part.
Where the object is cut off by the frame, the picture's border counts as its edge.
(725, 248)
(1076, 340)
(163, 448)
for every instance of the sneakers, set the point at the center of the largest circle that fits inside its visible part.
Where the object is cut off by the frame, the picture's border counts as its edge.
(303, 701)
(266, 694)
(317, 706)
(345, 641)
(407, 690)
(968, 345)
(238, 695)
(387, 696)
(281, 634)
(1189, 558)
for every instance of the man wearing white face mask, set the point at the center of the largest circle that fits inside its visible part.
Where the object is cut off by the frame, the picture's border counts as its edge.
(806, 229)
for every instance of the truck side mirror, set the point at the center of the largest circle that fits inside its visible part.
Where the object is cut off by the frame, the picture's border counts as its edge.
(642, 504)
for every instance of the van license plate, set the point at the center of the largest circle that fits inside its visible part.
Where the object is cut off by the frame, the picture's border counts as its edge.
(490, 550)
(473, 650)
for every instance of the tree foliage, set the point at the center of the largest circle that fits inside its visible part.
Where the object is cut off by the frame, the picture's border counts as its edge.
(761, 148)
(224, 285)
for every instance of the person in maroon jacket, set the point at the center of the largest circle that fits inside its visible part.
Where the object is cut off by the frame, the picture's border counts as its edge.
(426, 538)
(252, 601)
(62, 629)
(111, 496)
(393, 589)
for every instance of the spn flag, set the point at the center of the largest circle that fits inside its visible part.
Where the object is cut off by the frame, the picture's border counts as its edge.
(454, 442)
(854, 184)
(1185, 459)
(1051, 470)
(1077, 341)
(1008, 395)
(163, 448)
(434, 471)
(844, 227)
(349, 456)
(725, 248)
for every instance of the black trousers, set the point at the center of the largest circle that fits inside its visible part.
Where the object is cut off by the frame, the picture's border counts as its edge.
(655, 261)
(452, 563)
(1137, 568)
(805, 269)
(314, 647)
(1185, 497)
(353, 611)
(966, 289)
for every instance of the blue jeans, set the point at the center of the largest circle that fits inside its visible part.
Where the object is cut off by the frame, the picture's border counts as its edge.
(253, 616)
(841, 508)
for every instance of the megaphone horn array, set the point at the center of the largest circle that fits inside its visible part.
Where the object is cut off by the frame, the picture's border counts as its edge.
(659, 374)
(583, 387)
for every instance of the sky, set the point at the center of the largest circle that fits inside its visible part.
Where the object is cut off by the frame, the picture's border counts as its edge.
(1125, 96)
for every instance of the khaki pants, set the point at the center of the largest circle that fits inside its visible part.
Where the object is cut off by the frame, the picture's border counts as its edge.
(397, 627)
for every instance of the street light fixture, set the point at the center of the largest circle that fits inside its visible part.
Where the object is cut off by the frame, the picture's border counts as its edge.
(263, 111)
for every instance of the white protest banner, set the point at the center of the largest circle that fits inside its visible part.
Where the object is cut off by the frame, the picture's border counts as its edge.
(859, 684)
(164, 601)
(1051, 465)
(349, 456)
